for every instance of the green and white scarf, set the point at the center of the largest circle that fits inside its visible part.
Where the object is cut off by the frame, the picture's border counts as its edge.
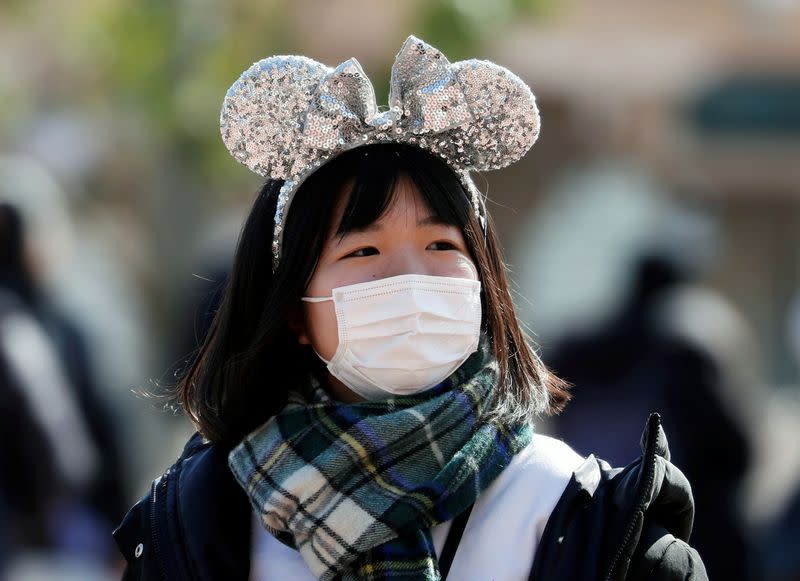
(356, 487)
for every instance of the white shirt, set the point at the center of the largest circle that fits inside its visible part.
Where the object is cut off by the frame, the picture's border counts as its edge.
(500, 540)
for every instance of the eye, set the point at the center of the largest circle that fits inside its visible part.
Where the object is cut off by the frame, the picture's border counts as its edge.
(442, 245)
(366, 251)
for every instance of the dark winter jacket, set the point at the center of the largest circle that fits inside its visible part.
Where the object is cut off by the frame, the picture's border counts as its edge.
(625, 523)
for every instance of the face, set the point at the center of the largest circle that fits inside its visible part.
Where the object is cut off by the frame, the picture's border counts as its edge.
(407, 239)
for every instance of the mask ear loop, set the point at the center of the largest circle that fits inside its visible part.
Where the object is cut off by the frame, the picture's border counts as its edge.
(316, 299)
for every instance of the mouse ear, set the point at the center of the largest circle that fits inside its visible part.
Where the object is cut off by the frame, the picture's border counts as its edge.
(474, 113)
(505, 119)
(263, 114)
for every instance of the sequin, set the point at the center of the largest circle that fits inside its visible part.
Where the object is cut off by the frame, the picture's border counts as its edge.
(286, 115)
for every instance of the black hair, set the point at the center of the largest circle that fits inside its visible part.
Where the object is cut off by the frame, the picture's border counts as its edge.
(250, 358)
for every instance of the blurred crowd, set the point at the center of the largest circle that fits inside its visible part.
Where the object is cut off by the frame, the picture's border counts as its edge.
(653, 236)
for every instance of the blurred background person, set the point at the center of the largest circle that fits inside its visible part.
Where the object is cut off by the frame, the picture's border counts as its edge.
(636, 362)
(61, 474)
(778, 555)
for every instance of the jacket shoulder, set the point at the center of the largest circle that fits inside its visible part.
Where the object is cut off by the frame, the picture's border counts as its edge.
(133, 539)
(192, 523)
(135, 535)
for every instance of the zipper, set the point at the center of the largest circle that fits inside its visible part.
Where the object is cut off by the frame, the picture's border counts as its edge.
(650, 476)
(153, 523)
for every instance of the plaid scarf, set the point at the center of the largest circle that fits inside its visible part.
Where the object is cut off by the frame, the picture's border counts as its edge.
(356, 487)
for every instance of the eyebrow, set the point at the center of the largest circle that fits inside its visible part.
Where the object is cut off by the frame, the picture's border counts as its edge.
(433, 220)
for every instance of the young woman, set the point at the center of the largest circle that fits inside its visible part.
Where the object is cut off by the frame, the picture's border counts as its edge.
(366, 398)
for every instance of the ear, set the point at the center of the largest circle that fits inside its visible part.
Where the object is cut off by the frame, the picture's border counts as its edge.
(297, 324)
(264, 111)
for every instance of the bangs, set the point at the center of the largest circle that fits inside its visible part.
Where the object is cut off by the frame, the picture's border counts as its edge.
(375, 172)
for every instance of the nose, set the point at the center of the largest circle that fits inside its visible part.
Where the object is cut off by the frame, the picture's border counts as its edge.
(406, 261)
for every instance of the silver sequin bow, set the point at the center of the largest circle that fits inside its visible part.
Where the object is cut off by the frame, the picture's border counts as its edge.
(287, 115)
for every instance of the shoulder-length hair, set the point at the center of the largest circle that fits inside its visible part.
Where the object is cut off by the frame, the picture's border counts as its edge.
(250, 358)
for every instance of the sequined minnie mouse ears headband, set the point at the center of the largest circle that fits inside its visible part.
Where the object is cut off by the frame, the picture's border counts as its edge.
(287, 115)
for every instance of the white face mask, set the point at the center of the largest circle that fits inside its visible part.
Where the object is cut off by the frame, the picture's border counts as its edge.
(403, 334)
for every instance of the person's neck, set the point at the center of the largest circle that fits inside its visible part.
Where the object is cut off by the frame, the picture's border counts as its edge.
(339, 391)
